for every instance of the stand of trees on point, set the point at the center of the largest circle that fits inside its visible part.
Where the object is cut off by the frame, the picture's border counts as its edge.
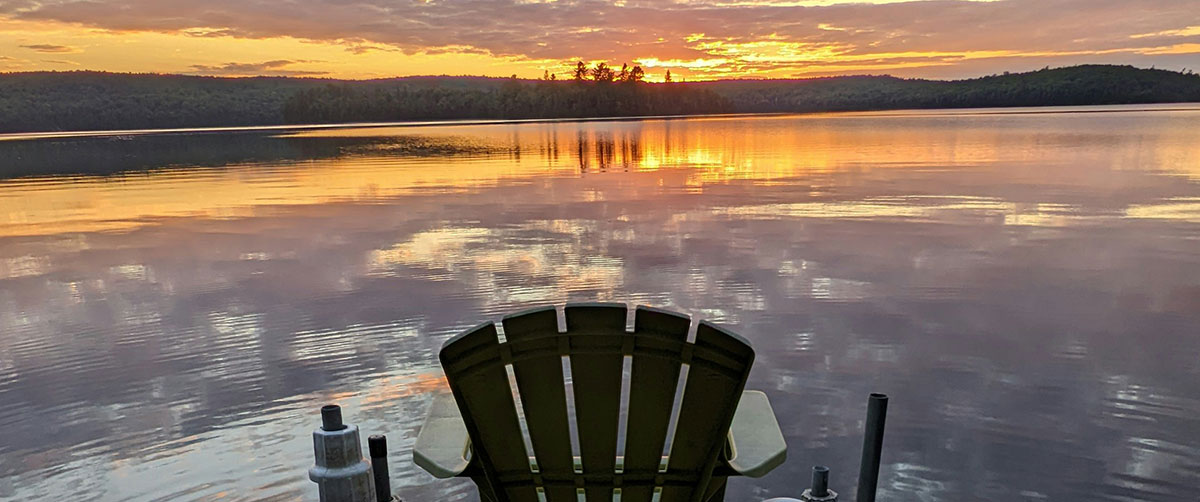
(598, 91)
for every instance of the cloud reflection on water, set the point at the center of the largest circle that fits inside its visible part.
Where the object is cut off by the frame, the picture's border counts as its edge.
(1025, 287)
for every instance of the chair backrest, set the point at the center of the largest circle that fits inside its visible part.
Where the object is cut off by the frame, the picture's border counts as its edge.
(596, 344)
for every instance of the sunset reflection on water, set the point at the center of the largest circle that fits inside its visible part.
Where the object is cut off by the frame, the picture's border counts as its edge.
(174, 308)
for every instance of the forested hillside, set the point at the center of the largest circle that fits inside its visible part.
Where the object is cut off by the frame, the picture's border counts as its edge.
(52, 101)
(84, 100)
(1077, 85)
(58, 101)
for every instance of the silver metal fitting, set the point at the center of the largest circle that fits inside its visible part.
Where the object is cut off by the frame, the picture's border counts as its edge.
(808, 496)
(341, 472)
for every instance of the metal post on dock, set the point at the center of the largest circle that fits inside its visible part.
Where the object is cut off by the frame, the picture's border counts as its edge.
(820, 481)
(341, 473)
(868, 472)
(820, 491)
(377, 445)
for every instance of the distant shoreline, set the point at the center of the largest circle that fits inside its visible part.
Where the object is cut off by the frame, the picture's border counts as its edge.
(286, 128)
(357, 125)
(73, 103)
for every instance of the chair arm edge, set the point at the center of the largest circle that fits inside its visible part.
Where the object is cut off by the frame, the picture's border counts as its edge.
(443, 444)
(755, 439)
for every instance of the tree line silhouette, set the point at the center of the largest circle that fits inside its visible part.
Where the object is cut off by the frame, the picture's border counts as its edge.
(85, 100)
(598, 91)
(1076, 85)
(56, 101)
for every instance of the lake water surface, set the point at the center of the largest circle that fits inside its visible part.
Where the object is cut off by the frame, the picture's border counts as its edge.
(1025, 284)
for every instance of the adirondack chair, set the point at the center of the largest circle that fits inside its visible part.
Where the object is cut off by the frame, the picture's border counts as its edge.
(721, 431)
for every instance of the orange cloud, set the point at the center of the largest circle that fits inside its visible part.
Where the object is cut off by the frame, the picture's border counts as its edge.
(693, 38)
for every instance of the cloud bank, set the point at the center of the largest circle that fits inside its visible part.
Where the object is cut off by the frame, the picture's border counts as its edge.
(703, 37)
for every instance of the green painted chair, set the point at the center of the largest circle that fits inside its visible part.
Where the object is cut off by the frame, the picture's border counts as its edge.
(721, 431)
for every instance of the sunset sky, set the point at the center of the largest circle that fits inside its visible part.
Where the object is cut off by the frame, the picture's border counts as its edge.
(696, 39)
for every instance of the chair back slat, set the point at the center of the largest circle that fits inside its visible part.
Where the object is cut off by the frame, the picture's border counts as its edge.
(537, 363)
(716, 377)
(596, 343)
(479, 382)
(597, 333)
(651, 394)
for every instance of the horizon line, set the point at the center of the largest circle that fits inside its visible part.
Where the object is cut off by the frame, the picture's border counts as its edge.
(526, 79)
(899, 112)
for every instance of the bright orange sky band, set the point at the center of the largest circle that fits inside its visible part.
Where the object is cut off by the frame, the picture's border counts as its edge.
(694, 39)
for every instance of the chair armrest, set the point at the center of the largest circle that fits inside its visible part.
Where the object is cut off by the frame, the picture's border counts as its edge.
(755, 440)
(443, 444)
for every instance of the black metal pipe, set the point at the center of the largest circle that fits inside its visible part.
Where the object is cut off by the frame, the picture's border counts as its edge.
(331, 418)
(820, 481)
(377, 444)
(868, 471)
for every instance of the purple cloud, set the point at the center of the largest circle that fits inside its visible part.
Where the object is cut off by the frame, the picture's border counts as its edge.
(266, 68)
(50, 48)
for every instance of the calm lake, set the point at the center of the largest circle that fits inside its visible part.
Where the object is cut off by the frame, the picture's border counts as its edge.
(1023, 283)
